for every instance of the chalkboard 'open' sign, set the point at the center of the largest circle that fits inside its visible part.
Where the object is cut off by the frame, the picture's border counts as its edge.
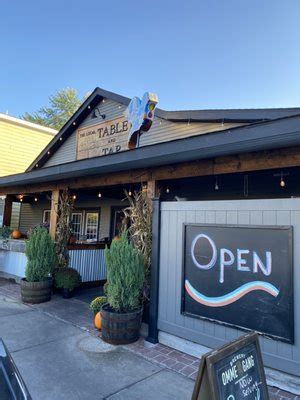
(240, 276)
(233, 372)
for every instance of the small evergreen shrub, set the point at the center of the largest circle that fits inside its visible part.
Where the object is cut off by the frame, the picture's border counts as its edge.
(66, 278)
(97, 303)
(125, 275)
(5, 232)
(41, 255)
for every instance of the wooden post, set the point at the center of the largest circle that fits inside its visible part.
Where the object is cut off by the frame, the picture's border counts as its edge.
(152, 189)
(154, 273)
(7, 210)
(54, 213)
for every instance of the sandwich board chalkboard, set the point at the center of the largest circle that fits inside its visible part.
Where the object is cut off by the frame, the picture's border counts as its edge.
(233, 372)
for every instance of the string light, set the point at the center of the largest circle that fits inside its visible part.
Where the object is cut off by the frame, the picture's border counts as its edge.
(60, 138)
(74, 197)
(89, 107)
(216, 184)
(282, 182)
(99, 195)
(21, 200)
(74, 123)
(35, 199)
(167, 190)
(130, 192)
(48, 152)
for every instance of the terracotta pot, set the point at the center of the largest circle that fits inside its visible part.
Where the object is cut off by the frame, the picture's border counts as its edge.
(16, 234)
(72, 239)
(98, 321)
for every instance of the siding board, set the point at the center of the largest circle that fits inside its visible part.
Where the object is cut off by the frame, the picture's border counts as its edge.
(276, 354)
(161, 131)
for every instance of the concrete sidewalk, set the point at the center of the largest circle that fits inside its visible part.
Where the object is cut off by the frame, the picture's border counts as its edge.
(60, 355)
(60, 361)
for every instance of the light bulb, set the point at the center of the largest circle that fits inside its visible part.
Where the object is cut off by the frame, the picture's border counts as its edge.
(282, 183)
(99, 195)
(167, 190)
(74, 197)
(21, 200)
(216, 184)
(130, 193)
(35, 199)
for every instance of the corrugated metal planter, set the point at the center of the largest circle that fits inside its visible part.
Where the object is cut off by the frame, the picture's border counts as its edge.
(36, 292)
(120, 328)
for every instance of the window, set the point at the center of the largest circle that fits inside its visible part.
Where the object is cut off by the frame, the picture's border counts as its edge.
(76, 224)
(91, 226)
(46, 217)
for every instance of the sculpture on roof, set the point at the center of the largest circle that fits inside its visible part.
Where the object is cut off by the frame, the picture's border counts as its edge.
(140, 114)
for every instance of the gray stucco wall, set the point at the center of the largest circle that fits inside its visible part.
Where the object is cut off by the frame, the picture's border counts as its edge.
(278, 355)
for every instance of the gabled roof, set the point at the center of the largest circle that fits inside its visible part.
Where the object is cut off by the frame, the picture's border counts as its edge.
(283, 132)
(247, 116)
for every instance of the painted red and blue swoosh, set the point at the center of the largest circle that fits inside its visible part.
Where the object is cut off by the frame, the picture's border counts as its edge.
(232, 296)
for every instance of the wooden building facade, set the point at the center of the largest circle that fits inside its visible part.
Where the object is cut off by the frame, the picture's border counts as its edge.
(235, 168)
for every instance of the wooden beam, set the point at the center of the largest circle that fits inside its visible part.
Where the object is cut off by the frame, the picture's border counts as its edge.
(256, 161)
(54, 213)
(152, 190)
(7, 210)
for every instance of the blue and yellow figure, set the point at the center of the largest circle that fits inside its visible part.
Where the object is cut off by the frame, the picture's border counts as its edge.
(140, 115)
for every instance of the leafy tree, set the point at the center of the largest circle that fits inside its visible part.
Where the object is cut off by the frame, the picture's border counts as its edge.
(61, 107)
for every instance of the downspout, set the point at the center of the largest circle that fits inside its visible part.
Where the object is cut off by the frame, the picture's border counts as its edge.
(154, 279)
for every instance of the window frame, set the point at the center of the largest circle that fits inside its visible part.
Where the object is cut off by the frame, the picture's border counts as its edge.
(47, 210)
(92, 211)
(81, 213)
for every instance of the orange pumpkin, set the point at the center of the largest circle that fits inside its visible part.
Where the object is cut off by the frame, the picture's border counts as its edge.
(98, 320)
(16, 234)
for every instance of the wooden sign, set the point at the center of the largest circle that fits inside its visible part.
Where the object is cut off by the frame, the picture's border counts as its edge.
(102, 138)
(233, 372)
(240, 276)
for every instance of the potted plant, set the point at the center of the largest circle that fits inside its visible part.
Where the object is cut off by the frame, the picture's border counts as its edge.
(67, 279)
(122, 314)
(95, 307)
(36, 287)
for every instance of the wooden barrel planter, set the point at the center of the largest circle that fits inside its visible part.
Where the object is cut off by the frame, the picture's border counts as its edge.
(36, 292)
(120, 328)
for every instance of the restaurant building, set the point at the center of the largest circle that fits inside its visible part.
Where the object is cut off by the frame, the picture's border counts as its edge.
(226, 219)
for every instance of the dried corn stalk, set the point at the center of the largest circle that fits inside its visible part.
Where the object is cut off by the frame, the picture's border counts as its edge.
(63, 230)
(139, 212)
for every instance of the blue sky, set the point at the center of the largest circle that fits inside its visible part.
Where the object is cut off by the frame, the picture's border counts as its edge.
(192, 53)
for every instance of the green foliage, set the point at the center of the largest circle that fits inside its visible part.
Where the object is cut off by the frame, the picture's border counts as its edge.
(62, 106)
(5, 232)
(125, 275)
(66, 278)
(97, 303)
(41, 255)
(139, 212)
